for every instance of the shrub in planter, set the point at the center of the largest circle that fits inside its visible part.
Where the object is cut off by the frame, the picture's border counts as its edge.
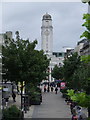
(39, 93)
(12, 113)
(36, 98)
(35, 95)
(35, 101)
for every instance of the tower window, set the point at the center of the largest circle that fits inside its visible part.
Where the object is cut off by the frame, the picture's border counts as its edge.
(60, 54)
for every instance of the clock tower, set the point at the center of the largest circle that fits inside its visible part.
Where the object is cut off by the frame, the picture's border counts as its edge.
(47, 34)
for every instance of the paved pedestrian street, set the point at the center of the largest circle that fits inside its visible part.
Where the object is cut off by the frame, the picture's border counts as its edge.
(53, 106)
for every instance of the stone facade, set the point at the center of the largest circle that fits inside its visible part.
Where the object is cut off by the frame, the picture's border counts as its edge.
(47, 34)
(79, 46)
(83, 47)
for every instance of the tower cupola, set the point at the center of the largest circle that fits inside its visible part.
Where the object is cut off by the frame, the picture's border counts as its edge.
(47, 17)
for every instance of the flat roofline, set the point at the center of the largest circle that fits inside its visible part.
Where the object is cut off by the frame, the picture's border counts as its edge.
(58, 52)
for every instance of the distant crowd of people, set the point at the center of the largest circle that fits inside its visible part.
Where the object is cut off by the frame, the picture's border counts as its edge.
(50, 88)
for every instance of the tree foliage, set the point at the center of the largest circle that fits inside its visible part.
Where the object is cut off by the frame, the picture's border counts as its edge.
(21, 62)
(86, 24)
(81, 75)
(80, 97)
(57, 72)
(70, 65)
(85, 58)
(12, 113)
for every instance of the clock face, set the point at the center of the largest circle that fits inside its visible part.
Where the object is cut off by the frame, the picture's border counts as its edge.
(47, 32)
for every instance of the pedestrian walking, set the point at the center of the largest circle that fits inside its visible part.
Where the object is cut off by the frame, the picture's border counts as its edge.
(13, 96)
(56, 89)
(45, 88)
(6, 101)
(48, 87)
(5, 97)
(51, 88)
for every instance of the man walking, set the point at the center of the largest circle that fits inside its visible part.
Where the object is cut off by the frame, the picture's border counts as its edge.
(13, 96)
(56, 89)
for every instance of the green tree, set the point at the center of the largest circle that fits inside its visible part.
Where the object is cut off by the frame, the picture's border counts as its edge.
(21, 62)
(81, 81)
(81, 76)
(81, 98)
(12, 113)
(70, 66)
(57, 72)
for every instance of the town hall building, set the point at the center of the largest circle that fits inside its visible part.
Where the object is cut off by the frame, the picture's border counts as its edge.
(47, 44)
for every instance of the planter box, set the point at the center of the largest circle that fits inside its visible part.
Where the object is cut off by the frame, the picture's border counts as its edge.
(35, 98)
(35, 102)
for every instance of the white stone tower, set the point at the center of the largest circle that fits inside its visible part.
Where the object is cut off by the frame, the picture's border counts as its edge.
(47, 34)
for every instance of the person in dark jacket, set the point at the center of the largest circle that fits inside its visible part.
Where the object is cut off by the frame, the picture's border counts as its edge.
(51, 88)
(56, 89)
(45, 88)
(13, 96)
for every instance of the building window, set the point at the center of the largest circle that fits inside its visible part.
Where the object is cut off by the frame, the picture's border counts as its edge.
(60, 54)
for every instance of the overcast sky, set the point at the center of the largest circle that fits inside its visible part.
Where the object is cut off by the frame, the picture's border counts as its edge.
(26, 17)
